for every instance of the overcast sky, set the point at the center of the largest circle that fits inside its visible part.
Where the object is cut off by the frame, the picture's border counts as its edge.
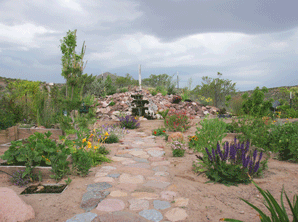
(251, 42)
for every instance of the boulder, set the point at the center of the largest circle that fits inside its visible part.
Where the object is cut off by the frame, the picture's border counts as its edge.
(13, 208)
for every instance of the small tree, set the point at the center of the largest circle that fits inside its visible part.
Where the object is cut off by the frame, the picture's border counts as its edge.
(217, 89)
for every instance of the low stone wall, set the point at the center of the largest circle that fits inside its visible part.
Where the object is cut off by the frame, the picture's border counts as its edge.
(14, 133)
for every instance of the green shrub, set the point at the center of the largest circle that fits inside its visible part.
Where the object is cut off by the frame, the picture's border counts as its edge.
(82, 162)
(123, 90)
(177, 121)
(159, 132)
(153, 92)
(284, 140)
(98, 156)
(112, 138)
(212, 131)
(236, 105)
(255, 105)
(7, 120)
(60, 166)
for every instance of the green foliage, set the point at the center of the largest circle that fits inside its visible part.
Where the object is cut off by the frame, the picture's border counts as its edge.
(126, 81)
(253, 129)
(123, 90)
(59, 165)
(185, 94)
(159, 132)
(98, 157)
(112, 138)
(255, 105)
(162, 90)
(37, 150)
(110, 87)
(278, 214)
(177, 121)
(82, 162)
(157, 80)
(7, 119)
(235, 105)
(284, 140)
(68, 181)
(212, 131)
(216, 89)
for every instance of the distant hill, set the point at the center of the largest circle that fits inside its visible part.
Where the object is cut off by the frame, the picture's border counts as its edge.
(105, 75)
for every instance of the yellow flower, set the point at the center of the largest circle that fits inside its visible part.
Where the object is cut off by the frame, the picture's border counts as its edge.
(95, 147)
(106, 134)
(89, 145)
(91, 135)
(84, 140)
(94, 130)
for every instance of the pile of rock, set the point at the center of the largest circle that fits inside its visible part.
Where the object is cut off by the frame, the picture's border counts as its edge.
(123, 104)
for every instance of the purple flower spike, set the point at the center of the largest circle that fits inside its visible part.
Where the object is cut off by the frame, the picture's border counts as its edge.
(219, 151)
(209, 155)
(256, 166)
(213, 154)
(255, 155)
(260, 157)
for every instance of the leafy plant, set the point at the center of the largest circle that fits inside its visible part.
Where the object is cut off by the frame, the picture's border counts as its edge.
(98, 156)
(68, 181)
(212, 131)
(159, 132)
(163, 113)
(177, 121)
(112, 138)
(18, 179)
(129, 122)
(60, 166)
(278, 214)
(283, 140)
(232, 165)
(255, 105)
(178, 148)
(82, 162)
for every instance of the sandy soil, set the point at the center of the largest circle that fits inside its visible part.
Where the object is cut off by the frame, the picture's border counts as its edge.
(207, 202)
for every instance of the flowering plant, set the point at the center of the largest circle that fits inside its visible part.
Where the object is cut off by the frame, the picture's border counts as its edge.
(176, 99)
(129, 122)
(18, 179)
(159, 132)
(232, 165)
(177, 121)
(178, 148)
(109, 133)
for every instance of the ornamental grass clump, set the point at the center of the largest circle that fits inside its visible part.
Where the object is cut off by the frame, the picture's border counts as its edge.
(178, 148)
(233, 165)
(129, 122)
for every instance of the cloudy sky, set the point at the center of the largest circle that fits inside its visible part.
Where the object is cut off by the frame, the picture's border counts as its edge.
(251, 42)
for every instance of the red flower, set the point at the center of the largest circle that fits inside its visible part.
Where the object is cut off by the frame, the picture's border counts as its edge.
(164, 131)
(154, 132)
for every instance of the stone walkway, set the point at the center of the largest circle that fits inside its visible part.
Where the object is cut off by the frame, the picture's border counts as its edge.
(136, 187)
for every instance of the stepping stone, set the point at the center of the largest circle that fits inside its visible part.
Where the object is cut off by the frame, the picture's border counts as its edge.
(138, 204)
(118, 193)
(172, 187)
(161, 173)
(91, 199)
(127, 178)
(156, 159)
(160, 168)
(119, 216)
(119, 159)
(108, 168)
(98, 186)
(145, 195)
(156, 153)
(127, 186)
(161, 163)
(122, 152)
(181, 202)
(138, 153)
(152, 215)
(140, 165)
(127, 162)
(104, 179)
(137, 171)
(145, 189)
(176, 214)
(141, 160)
(100, 174)
(156, 184)
(82, 217)
(161, 205)
(168, 195)
(124, 155)
(110, 205)
(154, 149)
(158, 178)
(114, 175)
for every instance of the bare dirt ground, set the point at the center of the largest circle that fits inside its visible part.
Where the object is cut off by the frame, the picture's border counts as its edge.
(207, 202)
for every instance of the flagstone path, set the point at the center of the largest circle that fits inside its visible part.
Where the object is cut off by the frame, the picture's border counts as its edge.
(135, 187)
